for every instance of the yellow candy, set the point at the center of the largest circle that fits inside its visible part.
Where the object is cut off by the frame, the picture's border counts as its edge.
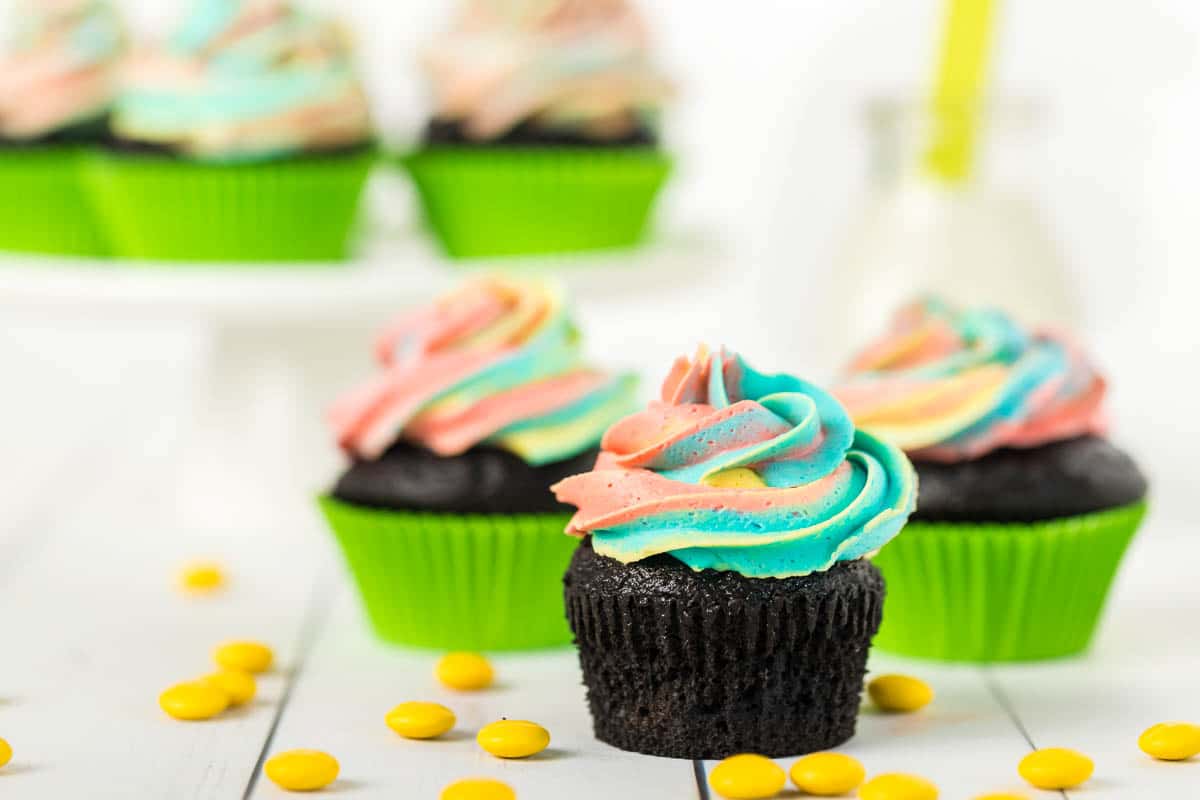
(1055, 768)
(478, 789)
(827, 774)
(899, 693)
(897, 786)
(5, 752)
(246, 656)
(464, 671)
(193, 701)
(747, 777)
(302, 770)
(513, 738)
(420, 720)
(1171, 741)
(237, 685)
(202, 577)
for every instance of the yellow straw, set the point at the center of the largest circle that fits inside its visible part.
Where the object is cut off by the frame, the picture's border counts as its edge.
(958, 89)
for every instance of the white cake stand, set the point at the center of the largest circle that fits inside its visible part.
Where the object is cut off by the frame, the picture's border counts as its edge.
(284, 339)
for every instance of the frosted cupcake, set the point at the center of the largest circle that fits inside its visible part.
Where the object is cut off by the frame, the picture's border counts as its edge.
(1025, 506)
(722, 601)
(543, 135)
(445, 515)
(57, 77)
(245, 136)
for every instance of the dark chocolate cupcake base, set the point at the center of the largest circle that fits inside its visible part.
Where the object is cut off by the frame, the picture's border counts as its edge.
(707, 664)
(1061, 479)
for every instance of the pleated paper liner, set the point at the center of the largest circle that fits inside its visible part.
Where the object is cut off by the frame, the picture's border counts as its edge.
(1002, 591)
(43, 207)
(483, 201)
(457, 581)
(164, 208)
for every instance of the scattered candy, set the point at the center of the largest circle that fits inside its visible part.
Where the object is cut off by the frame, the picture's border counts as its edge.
(513, 738)
(899, 693)
(420, 720)
(1171, 741)
(827, 774)
(747, 777)
(478, 789)
(1055, 768)
(5, 752)
(897, 786)
(237, 685)
(202, 577)
(193, 701)
(302, 770)
(246, 656)
(464, 671)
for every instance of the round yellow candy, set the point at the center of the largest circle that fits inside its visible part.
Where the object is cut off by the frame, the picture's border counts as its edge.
(478, 789)
(898, 786)
(1171, 741)
(827, 774)
(251, 657)
(420, 720)
(747, 777)
(513, 738)
(193, 701)
(237, 685)
(466, 672)
(1055, 768)
(899, 693)
(302, 770)
(5, 752)
(202, 577)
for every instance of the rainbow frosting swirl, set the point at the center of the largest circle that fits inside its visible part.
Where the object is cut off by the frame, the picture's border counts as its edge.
(245, 79)
(61, 68)
(582, 66)
(950, 385)
(735, 470)
(498, 362)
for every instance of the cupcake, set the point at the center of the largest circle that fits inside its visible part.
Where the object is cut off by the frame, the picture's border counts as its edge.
(57, 79)
(543, 136)
(1025, 507)
(245, 136)
(445, 515)
(722, 599)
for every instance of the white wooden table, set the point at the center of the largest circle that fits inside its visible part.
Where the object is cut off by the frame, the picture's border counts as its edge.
(92, 629)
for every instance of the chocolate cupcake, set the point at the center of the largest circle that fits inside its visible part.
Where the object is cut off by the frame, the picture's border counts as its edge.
(445, 514)
(57, 79)
(544, 129)
(723, 601)
(1025, 507)
(246, 136)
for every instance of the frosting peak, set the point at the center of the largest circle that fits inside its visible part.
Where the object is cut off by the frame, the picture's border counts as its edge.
(736, 470)
(950, 385)
(245, 79)
(496, 361)
(61, 67)
(580, 64)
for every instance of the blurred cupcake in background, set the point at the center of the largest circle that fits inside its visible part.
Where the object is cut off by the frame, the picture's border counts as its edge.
(57, 77)
(544, 131)
(723, 600)
(246, 136)
(1025, 508)
(445, 515)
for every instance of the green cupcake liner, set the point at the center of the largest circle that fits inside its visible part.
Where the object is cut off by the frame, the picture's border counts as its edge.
(457, 581)
(483, 201)
(163, 208)
(1001, 591)
(43, 206)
